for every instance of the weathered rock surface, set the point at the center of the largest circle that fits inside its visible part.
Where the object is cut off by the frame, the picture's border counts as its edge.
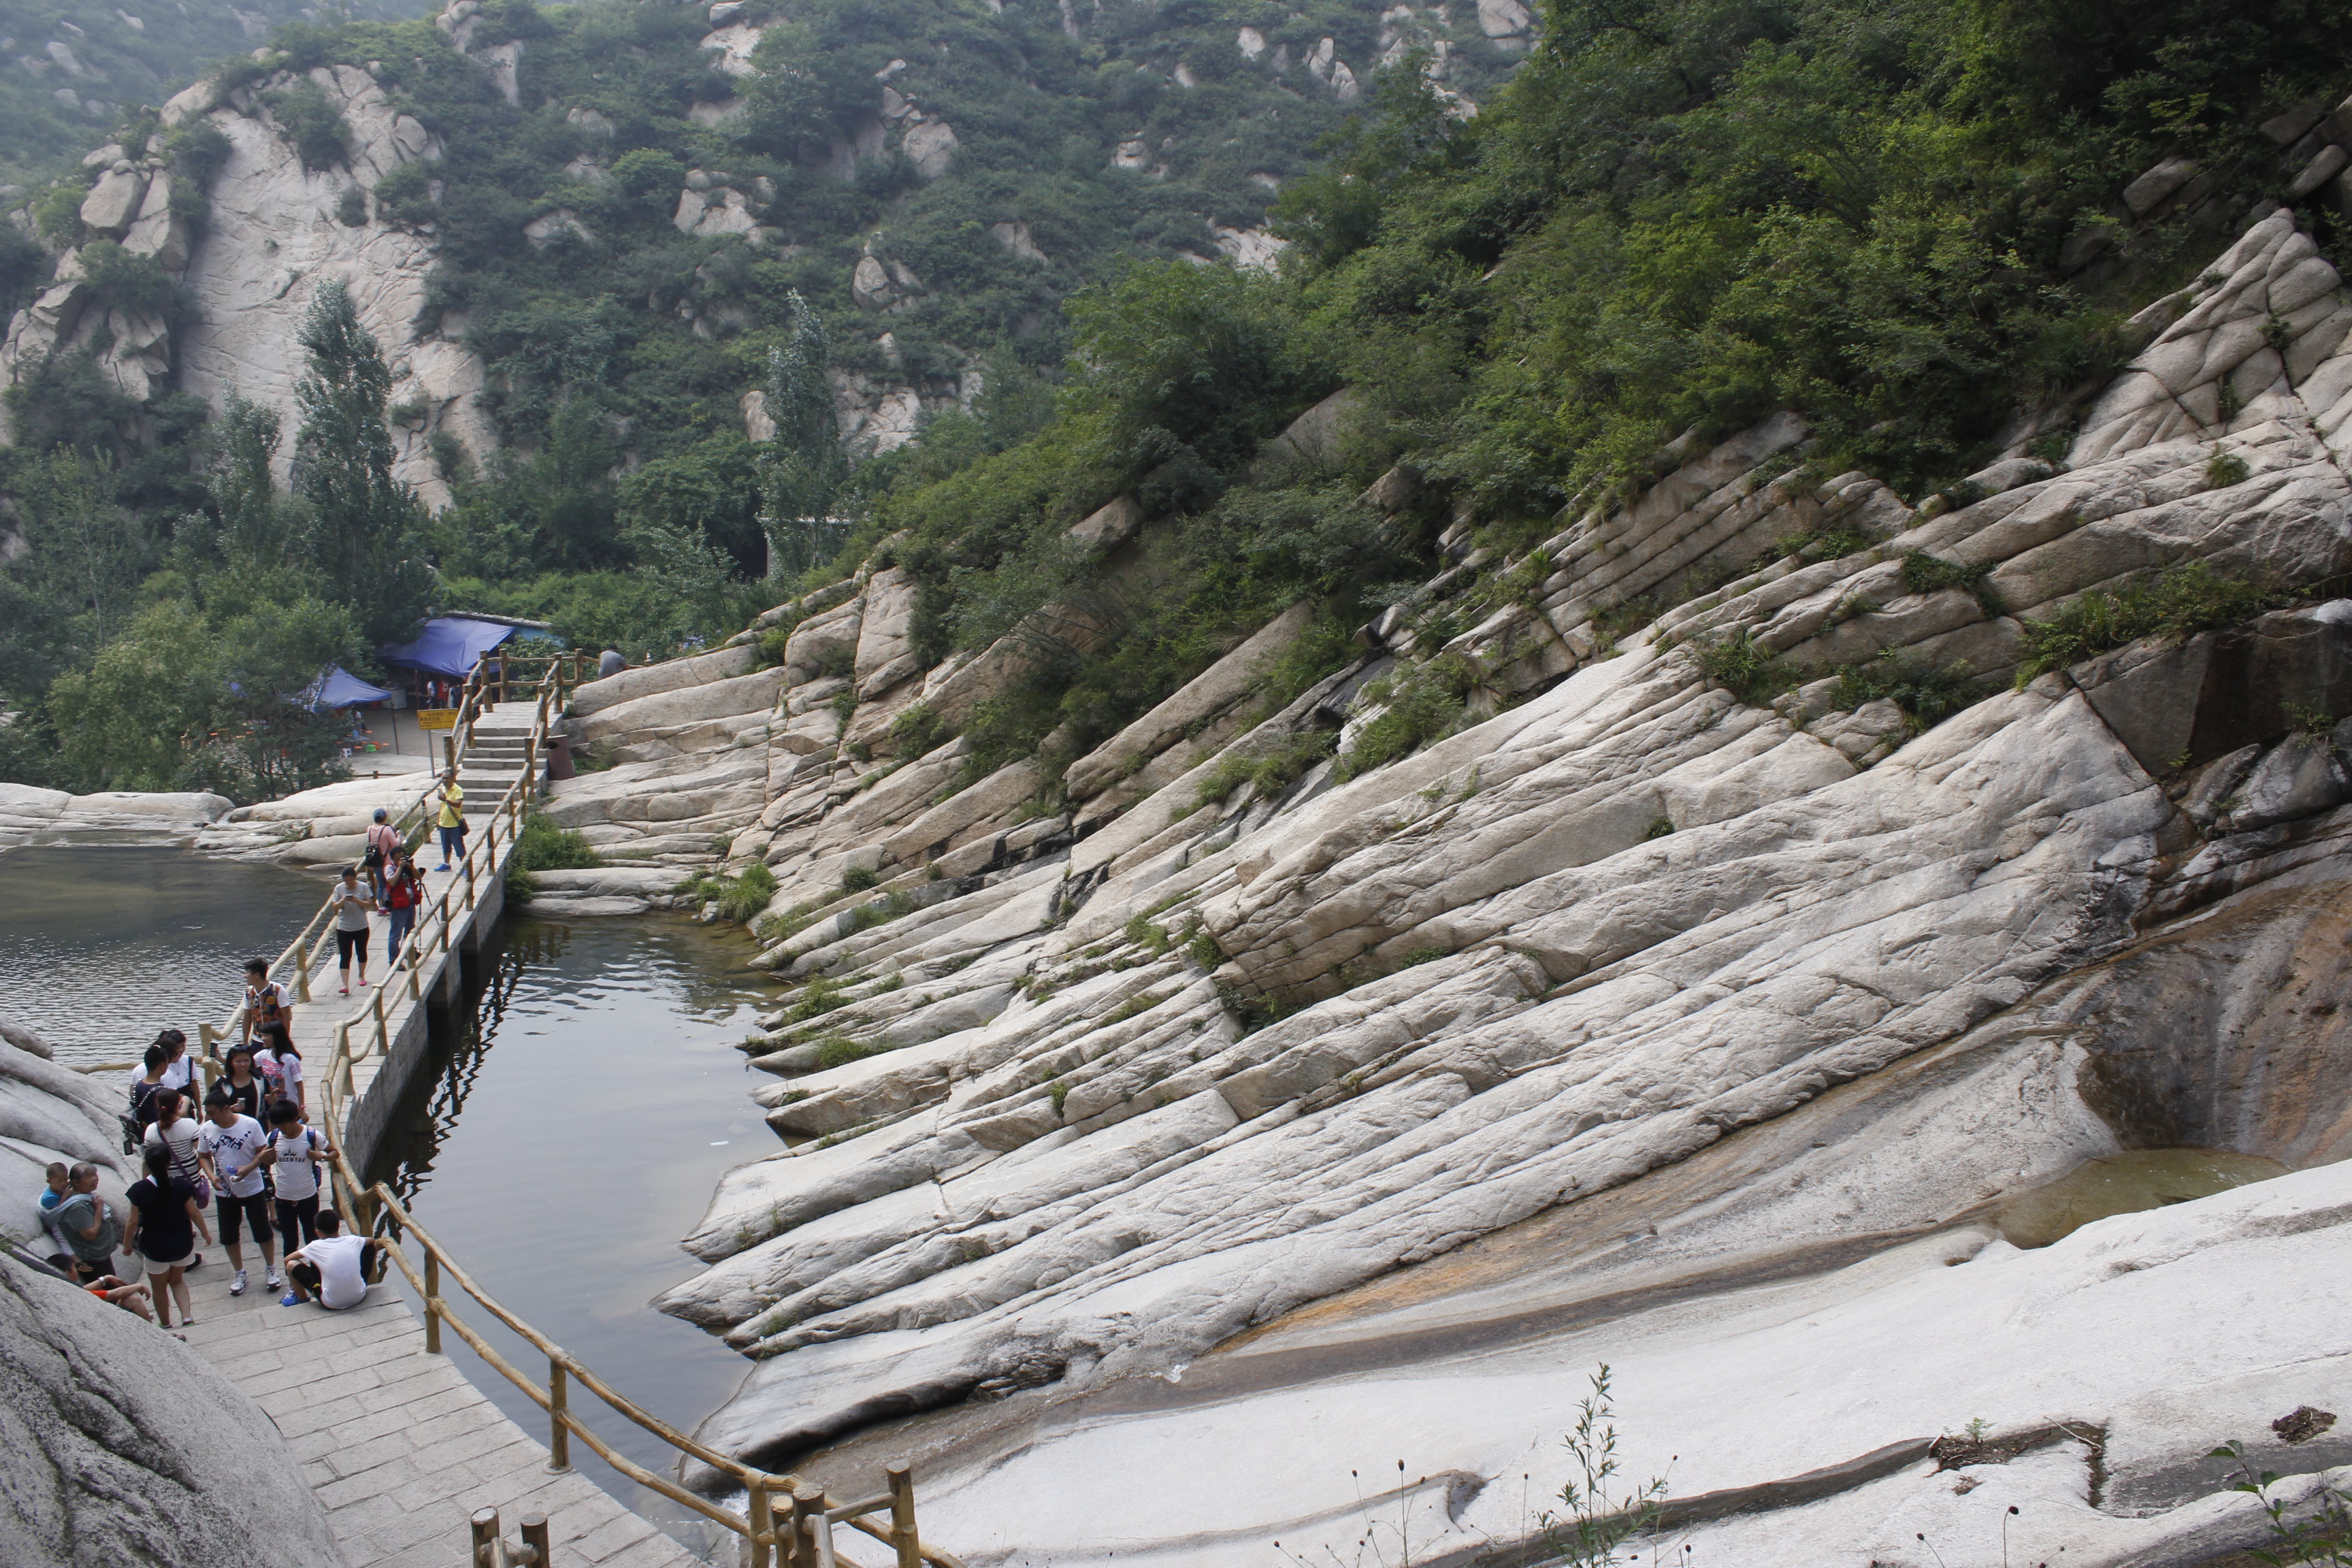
(28, 811)
(123, 1445)
(50, 1113)
(1652, 990)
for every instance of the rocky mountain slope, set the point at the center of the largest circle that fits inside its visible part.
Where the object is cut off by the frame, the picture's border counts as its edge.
(634, 185)
(1808, 878)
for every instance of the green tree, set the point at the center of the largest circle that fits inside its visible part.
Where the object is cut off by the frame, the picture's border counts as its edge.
(367, 529)
(805, 467)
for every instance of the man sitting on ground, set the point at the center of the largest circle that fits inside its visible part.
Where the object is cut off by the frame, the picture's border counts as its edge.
(334, 1268)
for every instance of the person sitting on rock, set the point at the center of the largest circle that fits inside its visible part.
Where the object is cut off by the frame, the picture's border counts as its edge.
(89, 1224)
(334, 1268)
(59, 1177)
(121, 1293)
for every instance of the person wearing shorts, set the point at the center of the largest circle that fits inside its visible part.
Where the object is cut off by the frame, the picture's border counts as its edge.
(233, 1146)
(352, 904)
(165, 1218)
(332, 1270)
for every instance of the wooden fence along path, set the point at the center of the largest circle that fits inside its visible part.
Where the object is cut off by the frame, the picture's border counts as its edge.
(415, 1465)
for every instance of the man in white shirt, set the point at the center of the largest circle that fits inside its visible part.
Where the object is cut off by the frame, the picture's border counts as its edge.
(334, 1268)
(232, 1143)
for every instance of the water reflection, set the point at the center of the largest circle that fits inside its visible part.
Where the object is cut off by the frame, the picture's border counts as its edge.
(104, 942)
(566, 1138)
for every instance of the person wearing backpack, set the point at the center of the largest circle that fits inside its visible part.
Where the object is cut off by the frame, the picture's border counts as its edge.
(401, 893)
(144, 1086)
(382, 844)
(295, 1155)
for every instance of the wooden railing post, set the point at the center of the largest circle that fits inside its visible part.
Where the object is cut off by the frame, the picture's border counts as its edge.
(808, 1503)
(432, 1303)
(302, 964)
(383, 1035)
(559, 1407)
(763, 1523)
(534, 1541)
(903, 1539)
(486, 1538)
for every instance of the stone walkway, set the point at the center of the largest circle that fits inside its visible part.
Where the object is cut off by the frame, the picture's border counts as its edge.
(400, 1448)
(399, 1445)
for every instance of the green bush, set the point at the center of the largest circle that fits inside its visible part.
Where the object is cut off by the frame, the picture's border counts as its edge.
(1735, 661)
(1928, 694)
(320, 135)
(1421, 703)
(544, 846)
(859, 878)
(739, 898)
(2180, 603)
(1926, 573)
(2223, 469)
(351, 207)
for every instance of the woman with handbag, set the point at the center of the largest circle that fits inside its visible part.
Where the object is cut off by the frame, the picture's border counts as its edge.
(382, 844)
(175, 1134)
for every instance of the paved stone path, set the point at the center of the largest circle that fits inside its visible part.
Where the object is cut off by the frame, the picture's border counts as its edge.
(399, 1445)
(400, 1448)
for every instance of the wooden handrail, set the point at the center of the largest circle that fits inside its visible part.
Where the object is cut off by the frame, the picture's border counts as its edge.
(756, 1526)
(808, 1538)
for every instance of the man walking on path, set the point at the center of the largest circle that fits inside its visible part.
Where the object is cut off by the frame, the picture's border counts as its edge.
(233, 1146)
(351, 903)
(334, 1268)
(267, 1001)
(452, 819)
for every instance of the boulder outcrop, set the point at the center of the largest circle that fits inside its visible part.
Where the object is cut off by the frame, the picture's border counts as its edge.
(123, 1445)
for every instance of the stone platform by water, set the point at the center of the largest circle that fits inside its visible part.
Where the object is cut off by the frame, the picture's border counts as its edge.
(398, 1445)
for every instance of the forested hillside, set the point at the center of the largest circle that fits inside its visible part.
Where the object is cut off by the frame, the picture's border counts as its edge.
(656, 234)
(69, 68)
(736, 281)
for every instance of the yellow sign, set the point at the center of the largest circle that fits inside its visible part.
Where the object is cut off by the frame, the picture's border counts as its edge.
(436, 718)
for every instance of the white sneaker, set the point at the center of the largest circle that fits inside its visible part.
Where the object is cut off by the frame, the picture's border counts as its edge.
(276, 1279)
(237, 1286)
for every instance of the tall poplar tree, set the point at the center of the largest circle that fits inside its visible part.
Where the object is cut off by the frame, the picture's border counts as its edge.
(367, 529)
(803, 474)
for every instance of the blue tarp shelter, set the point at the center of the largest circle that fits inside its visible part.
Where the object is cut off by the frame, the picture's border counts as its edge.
(338, 687)
(447, 644)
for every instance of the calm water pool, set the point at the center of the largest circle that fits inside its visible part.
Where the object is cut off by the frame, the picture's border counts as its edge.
(560, 1148)
(103, 943)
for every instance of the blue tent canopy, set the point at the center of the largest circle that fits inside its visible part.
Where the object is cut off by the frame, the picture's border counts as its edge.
(338, 687)
(447, 644)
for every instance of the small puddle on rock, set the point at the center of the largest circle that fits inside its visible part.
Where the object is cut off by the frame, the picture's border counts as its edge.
(2129, 1182)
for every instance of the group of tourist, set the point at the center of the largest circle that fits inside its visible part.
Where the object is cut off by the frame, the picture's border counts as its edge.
(244, 1152)
(251, 1161)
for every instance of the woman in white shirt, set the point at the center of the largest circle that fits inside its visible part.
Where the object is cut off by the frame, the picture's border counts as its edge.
(351, 903)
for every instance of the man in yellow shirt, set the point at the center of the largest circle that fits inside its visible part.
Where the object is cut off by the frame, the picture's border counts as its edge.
(453, 818)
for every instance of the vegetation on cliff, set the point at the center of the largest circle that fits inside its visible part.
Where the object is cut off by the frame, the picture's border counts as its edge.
(1903, 221)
